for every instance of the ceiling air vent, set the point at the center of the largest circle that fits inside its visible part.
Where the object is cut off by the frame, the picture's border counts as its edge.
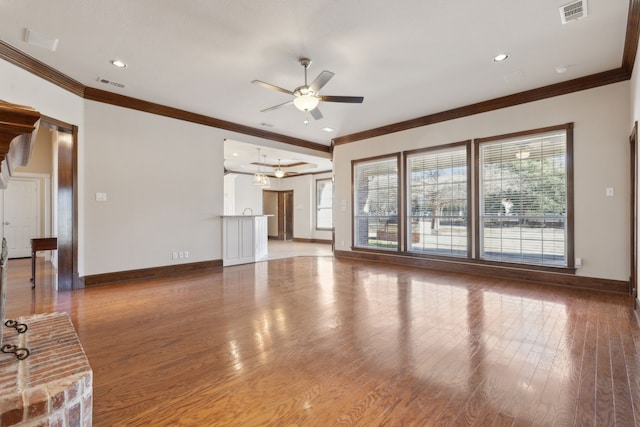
(109, 82)
(573, 11)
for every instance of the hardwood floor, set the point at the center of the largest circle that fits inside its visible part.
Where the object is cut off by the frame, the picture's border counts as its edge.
(317, 341)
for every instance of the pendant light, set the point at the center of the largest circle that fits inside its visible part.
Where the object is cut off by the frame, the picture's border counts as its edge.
(279, 173)
(259, 178)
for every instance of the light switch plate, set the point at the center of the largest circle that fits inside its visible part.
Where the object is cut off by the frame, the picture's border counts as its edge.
(101, 197)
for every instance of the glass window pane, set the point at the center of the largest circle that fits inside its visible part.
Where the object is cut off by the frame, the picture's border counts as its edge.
(437, 199)
(324, 204)
(523, 200)
(376, 203)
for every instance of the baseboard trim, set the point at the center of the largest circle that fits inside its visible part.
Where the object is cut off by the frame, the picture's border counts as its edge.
(149, 273)
(301, 240)
(559, 279)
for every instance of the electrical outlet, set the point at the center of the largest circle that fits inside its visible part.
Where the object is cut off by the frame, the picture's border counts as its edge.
(186, 254)
(174, 255)
(181, 255)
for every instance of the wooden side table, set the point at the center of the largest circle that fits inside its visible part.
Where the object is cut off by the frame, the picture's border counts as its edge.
(40, 244)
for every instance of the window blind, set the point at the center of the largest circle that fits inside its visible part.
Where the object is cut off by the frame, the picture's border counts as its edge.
(437, 182)
(523, 199)
(376, 203)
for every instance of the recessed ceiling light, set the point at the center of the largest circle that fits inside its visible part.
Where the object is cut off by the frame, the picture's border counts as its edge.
(117, 63)
(328, 129)
(500, 57)
(561, 69)
(234, 154)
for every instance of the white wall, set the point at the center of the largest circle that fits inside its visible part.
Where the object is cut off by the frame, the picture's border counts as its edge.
(601, 120)
(635, 113)
(21, 87)
(241, 194)
(164, 182)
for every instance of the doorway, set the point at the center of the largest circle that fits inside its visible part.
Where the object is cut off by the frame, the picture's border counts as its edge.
(21, 213)
(280, 205)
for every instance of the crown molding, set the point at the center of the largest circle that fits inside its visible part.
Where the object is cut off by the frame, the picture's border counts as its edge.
(589, 82)
(107, 97)
(631, 37)
(623, 73)
(42, 70)
(550, 91)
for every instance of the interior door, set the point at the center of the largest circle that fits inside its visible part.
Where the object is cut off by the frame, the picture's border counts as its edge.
(21, 220)
(288, 212)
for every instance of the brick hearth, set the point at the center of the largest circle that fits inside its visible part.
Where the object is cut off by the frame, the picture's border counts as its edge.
(54, 385)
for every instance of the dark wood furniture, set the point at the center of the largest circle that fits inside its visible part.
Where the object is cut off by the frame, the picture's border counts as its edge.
(40, 244)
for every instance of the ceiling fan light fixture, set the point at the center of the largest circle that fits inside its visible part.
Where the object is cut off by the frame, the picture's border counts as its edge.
(306, 102)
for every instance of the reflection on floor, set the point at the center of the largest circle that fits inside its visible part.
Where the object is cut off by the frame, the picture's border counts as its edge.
(287, 248)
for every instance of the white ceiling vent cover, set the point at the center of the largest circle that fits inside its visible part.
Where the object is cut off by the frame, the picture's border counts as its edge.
(41, 40)
(573, 11)
(109, 82)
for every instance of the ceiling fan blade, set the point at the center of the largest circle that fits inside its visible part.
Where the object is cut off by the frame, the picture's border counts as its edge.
(272, 87)
(349, 99)
(322, 79)
(275, 107)
(316, 114)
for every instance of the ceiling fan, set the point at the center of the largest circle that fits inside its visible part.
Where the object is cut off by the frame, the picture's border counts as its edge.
(307, 97)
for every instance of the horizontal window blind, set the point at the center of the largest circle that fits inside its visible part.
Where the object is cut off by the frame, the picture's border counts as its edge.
(376, 203)
(438, 202)
(324, 204)
(523, 199)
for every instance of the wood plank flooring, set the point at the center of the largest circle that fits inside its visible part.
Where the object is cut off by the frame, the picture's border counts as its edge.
(317, 341)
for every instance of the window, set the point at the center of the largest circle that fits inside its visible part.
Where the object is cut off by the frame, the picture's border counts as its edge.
(376, 203)
(522, 192)
(437, 198)
(324, 204)
(524, 198)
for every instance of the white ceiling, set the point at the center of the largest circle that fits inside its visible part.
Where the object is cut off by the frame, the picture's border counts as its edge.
(408, 59)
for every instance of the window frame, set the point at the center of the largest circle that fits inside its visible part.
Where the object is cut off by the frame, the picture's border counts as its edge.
(318, 181)
(406, 189)
(570, 218)
(473, 200)
(400, 210)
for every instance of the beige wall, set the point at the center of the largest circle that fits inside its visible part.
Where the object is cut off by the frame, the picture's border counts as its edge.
(601, 118)
(270, 207)
(635, 110)
(41, 164)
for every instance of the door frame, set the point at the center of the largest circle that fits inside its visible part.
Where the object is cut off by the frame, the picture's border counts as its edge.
(68, 276)
(285, 216)
(633, 213)
(281, 213)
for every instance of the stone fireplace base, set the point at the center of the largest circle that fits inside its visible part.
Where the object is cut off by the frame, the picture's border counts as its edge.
(54, 385)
